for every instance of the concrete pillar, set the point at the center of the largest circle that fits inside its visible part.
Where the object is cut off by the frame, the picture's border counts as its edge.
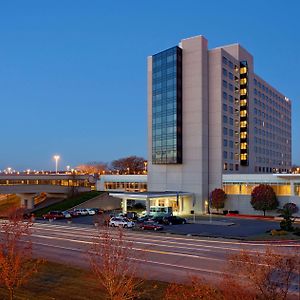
(27, 200)
(292, 188)
(148, 206)
(180, 199)
(124, 205)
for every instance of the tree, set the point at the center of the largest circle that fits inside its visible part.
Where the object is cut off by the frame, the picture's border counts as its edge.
(218, 198)
(129, 165)
(114, 264)
(264, 198)
(268, 273)
(92, 167)
(16, 264)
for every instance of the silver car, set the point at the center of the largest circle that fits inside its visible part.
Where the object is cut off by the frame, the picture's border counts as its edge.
(121, 222)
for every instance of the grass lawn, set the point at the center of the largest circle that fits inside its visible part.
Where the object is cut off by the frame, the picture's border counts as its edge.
(68, 203)
(57, 281)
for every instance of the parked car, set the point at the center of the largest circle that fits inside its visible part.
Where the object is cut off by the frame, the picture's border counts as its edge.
(97, 211)
(82, 211)
(150, 225)
(174, 220)
(90, 211)
(74, 213)
(120, 222)
(159, 220)
(144, 219)
(54, 215)
(67, 215)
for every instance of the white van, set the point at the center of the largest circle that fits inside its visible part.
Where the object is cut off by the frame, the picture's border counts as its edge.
(157, 211)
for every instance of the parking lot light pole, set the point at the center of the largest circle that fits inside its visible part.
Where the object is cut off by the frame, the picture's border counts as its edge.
(56, 158)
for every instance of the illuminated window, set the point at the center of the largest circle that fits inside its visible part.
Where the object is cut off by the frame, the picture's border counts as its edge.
(243, 92)
(243, 81)
(243, 124)
(243, 102)
(243, 135)
(243, 145)
(243, 70)
(243, 113)
(243, 156)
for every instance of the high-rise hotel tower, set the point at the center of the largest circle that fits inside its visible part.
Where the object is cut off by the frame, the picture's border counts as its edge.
(210, 114)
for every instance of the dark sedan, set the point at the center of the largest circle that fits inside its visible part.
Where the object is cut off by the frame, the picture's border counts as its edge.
(171, 220)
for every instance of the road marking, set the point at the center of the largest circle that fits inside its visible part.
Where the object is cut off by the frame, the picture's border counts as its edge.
(187, 246)
(165, 237)
(136, 259)
(133, 248)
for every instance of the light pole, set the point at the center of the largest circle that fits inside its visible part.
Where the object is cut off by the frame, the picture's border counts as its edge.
(56, 158)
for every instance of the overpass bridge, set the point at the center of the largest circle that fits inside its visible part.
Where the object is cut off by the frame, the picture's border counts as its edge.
(28, 186)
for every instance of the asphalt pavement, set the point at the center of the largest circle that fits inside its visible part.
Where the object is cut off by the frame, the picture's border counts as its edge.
(238, 228)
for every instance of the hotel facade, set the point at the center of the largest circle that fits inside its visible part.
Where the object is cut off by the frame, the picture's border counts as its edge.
(209, 116)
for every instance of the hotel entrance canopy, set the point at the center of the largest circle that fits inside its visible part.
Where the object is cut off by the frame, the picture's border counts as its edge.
(147, 196)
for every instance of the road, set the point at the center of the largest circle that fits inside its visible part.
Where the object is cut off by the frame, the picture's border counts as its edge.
(163, 256)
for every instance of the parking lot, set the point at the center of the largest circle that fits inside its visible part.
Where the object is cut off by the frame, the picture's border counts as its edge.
(226, 227)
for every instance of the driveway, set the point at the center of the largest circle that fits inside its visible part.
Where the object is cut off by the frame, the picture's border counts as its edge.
(226, 227)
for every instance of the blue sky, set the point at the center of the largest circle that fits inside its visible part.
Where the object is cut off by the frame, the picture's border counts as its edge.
(73, 73)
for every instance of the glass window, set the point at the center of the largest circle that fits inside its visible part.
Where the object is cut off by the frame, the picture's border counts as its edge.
(167, 98)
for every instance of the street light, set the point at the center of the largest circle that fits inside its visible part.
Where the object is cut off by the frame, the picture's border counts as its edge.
(56, 158)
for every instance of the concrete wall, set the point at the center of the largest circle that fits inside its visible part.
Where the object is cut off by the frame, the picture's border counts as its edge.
(215, 120)
(243, 205)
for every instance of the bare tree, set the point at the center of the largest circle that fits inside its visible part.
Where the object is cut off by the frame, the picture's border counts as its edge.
(16, 263)
(130, 165)
(114, 265)
(93, 167)
(269, 273)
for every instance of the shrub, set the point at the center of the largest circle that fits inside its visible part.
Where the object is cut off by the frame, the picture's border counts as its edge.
(291, 207)
(287, 213)
(287, 224)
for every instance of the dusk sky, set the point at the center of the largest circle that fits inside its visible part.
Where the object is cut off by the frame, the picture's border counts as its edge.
(73, 73)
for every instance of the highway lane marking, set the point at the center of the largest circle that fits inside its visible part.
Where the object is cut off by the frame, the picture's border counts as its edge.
(133, 248)
(139, 242)
(136, 259)
(135, 239)
(196, 239)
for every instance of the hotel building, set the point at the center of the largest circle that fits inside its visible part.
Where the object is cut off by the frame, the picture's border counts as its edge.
(210, 115)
